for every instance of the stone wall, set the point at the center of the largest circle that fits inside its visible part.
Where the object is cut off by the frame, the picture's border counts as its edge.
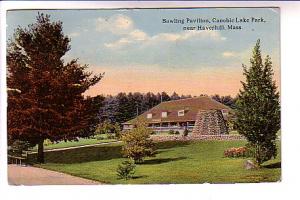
(210, 122)
(195, 137)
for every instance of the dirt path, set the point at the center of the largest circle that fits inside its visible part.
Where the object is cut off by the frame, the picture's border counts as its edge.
(26, 175)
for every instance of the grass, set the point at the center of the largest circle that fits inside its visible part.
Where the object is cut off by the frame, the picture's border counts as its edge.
(80, 142)
(175, 162)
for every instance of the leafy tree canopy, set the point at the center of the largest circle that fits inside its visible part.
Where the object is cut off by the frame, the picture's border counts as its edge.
(258, 106)
(49, 103)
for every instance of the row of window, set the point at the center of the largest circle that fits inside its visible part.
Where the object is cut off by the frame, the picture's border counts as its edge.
(165, 114)
(180, 113)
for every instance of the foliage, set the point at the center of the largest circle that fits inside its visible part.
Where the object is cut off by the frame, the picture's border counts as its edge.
(18, 147)
(231, 121)
(47, 142)
(258, 107)
(109, 110)
(185, 132)
(226, 100)
(50, 102)
(237, 152)
(172, 132)
(174, 96)
(117, 130)
(137, 143)
(100, 137)
(152, 132)
(126, 170)
(111, 130)
(104, 128)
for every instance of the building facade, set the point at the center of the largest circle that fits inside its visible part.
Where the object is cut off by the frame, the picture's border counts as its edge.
(200, 115)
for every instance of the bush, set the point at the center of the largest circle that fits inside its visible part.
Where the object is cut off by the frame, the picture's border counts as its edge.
(18, 147)
(47, 142)
(237, 152)
(137, 143)
(152, 133)
(171, 132)
(177, 132)
(185, 132)
(110, 136)
(126, 170)
(100, 137)
(262, 152)
(117, 130)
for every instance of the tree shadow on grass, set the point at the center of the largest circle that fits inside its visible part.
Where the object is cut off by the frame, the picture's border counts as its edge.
(99, 153)
(161, 160)
(84, 154)
(273, 165)
(171, 144)
(141, 176)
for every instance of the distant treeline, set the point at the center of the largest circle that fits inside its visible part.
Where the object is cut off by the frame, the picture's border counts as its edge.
(125, 106)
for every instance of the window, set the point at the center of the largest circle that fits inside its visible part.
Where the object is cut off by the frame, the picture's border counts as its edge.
(164, 114)
(180, 113)
(149, 115)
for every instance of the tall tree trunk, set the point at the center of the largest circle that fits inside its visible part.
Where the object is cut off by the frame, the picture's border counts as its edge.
(40, 156)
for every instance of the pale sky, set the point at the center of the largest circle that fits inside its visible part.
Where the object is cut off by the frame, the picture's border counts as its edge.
(139, 53)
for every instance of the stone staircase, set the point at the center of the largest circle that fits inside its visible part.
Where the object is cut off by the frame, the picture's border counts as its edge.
(209, 122)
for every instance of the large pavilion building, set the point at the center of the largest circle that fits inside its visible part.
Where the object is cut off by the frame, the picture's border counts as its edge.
(200, 115)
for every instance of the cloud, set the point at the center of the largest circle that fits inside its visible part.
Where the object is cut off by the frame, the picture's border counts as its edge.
(124, 27)
(74, 34)
(228, 54)
(128, 43)
(141, 38)
(117, 24)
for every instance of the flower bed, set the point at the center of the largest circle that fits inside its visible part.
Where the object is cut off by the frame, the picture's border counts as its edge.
(236, 152)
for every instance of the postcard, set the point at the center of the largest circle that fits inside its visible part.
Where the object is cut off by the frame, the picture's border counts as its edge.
(143, 96)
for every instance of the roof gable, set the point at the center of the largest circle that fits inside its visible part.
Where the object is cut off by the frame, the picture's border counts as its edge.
(190, 105)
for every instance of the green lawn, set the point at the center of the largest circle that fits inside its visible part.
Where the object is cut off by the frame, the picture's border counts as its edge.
(176, 162)
(80, 142)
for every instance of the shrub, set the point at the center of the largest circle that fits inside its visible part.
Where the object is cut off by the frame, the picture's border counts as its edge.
(171, 132)
(18, 147)
(110, 136)
(100, 137)
(152, 133)
(47, 142)
(262, 152)
(237, 152)
(126, 170)
(117, 130)
(137, 143)
(185, 132)
(177, 132)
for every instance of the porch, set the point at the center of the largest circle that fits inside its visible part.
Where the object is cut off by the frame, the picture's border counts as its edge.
(167, 126)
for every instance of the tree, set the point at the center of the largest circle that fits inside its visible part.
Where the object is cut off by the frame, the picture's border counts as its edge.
(258, 107)
(165, 97)
(126, 170)
(109, 110)
(137, 143)
(175, 96)
(48, 103)
(226, 100)
(126, 111)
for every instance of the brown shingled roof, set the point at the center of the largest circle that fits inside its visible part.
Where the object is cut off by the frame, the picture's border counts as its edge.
(190, 105)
